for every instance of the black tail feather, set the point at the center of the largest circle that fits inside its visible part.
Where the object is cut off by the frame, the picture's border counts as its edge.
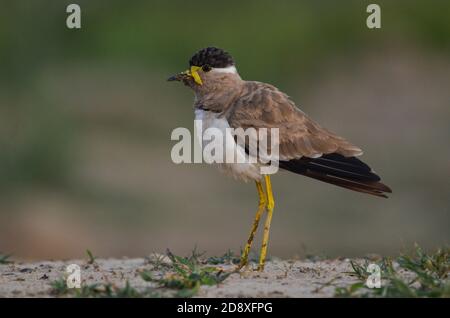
(347, 172)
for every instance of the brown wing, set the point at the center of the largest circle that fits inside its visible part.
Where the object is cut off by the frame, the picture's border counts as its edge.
(264, 106)
(304, 147)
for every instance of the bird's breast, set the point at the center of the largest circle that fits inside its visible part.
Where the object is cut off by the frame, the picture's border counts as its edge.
(214, 131)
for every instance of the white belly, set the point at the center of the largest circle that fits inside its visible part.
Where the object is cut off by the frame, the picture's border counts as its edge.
(242, 171)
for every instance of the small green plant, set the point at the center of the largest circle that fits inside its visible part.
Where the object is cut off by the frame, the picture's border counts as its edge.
(91, 257)
(187, 275)
(415, 275)
(5, 259)
(228, 258)
(112, 291)
(182, 275)
(158, 261)
(59, 287)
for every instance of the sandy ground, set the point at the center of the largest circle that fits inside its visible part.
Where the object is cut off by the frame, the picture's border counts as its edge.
(281, 278)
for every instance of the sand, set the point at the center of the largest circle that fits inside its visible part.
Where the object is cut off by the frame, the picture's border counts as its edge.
(281, 278)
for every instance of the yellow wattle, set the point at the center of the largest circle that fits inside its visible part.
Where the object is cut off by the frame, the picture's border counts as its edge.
(195, 76)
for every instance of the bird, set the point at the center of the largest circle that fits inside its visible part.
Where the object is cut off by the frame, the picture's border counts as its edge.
(222, 99)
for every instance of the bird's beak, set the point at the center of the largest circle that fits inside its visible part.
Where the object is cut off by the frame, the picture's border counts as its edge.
(191, 73)
(179, 77)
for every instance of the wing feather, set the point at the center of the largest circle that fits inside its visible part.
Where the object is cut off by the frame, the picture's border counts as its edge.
(264, 106)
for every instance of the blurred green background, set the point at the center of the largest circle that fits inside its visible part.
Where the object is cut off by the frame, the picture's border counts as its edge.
(86, 117)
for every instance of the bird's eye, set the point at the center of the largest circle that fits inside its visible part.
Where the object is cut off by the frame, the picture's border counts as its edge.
(206, 68)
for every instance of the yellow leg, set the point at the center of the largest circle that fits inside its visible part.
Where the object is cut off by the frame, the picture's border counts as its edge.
(262, 205)
(270, 206)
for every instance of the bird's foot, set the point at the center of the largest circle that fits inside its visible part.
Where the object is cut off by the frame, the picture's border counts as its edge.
(248, 268)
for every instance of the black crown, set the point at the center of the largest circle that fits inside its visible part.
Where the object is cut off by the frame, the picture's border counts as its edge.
(212, 56)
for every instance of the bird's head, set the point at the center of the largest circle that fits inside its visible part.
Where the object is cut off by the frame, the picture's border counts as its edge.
(209, 68)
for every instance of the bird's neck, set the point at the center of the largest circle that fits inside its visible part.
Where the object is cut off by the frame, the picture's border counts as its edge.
(219, 96)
